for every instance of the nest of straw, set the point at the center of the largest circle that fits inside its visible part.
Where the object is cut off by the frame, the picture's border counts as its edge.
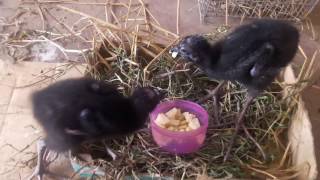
(151, 65)
(132, 50)
(267, 120)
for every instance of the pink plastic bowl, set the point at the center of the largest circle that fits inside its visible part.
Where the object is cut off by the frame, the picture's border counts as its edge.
(180, 142)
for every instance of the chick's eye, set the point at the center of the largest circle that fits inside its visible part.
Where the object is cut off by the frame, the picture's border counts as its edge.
(183, 51)
(191, 55)
(188, 54)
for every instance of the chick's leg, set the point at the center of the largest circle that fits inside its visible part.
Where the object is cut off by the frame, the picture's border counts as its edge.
(254, 141)
(39, 170)
(215, 95)
(239, 123)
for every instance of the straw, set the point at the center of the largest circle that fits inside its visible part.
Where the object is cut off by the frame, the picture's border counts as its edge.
(138, 55)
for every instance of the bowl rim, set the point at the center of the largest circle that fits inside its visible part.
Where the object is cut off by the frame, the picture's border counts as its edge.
(203, 128)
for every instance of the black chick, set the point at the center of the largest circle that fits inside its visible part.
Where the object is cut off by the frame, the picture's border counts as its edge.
(76, 110)
(252, 54)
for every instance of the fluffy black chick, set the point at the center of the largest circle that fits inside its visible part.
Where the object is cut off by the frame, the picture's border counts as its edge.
(253, 54)
(76, 110)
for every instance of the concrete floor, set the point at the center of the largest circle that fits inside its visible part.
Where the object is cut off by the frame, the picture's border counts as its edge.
(165, 12)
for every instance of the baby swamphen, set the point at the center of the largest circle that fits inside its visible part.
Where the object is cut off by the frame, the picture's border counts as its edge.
(77, 110)
(253, 54)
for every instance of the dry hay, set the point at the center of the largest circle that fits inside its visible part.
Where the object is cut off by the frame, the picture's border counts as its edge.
(295, 10)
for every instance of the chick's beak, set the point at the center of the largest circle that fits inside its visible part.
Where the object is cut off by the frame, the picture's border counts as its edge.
(174, 51)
